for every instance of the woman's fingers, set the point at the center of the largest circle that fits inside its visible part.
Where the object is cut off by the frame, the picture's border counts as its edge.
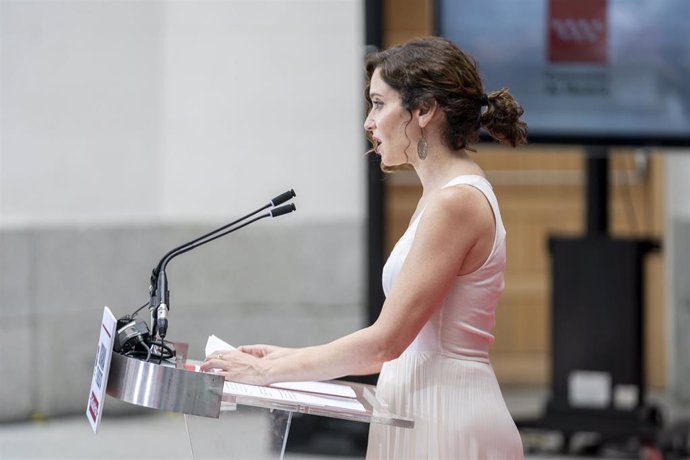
(218, 354)
(235, 366)
(258, 351)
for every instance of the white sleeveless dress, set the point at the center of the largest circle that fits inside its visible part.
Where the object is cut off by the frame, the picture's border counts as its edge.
(444, 380)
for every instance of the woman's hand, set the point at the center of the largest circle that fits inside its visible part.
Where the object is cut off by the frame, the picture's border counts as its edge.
(266, 351)
(237, 366)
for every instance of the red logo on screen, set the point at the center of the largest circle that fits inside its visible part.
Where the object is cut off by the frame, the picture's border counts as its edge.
(578, 31)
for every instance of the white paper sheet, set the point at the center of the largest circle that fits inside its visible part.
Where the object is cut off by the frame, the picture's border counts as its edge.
(321, 388)
(214, 344)
(295, 397)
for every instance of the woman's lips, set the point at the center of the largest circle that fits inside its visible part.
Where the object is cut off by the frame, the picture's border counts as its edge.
(378, 144)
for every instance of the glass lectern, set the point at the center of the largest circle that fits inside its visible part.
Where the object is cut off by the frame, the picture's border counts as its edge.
(227, 421)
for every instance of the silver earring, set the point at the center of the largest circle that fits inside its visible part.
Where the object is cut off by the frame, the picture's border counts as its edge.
(422, 148)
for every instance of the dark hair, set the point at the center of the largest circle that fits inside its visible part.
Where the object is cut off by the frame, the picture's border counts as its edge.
(431, 69)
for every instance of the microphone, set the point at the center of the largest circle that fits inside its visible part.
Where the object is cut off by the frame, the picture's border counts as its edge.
(159, 303)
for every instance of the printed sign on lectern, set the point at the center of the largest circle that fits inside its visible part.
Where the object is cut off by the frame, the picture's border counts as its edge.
(99, 381)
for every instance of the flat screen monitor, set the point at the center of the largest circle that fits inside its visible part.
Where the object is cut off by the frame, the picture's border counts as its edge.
(609, 72)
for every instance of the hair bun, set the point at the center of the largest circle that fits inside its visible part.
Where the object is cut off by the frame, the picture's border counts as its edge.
(502, 119)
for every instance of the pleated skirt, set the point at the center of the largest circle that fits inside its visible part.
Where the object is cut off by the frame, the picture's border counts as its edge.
(457, 406)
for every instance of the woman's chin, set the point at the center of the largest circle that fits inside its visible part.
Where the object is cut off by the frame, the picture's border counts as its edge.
(391, 164)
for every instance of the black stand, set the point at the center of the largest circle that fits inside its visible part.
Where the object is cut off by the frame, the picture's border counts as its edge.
(597, 328)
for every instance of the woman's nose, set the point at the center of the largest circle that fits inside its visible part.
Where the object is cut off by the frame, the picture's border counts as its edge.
(369, 123)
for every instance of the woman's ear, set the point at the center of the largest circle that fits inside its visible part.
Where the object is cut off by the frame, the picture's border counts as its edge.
(425, 112)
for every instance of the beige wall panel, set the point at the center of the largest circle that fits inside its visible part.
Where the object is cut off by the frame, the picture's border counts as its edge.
(522, 368)
(655, 321)
(406, 19)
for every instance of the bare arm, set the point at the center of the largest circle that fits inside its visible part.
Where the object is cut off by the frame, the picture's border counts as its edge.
(273, 352)
(452, 223)
(375, 369)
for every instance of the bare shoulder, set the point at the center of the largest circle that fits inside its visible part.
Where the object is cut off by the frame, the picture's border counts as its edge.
(459, 203)
(457, 228)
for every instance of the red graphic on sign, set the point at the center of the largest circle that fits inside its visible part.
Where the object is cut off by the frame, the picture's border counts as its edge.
(93, 406)
(578, 31)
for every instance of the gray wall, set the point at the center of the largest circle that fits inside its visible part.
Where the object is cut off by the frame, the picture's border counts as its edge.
(127, 128)
(281, 284)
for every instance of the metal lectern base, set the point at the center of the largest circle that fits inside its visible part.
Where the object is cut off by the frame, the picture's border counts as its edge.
(165, 388)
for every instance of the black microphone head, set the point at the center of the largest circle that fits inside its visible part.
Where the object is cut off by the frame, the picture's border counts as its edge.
(279, 211)
(154, 277)
(162, 327)
(283, 197)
